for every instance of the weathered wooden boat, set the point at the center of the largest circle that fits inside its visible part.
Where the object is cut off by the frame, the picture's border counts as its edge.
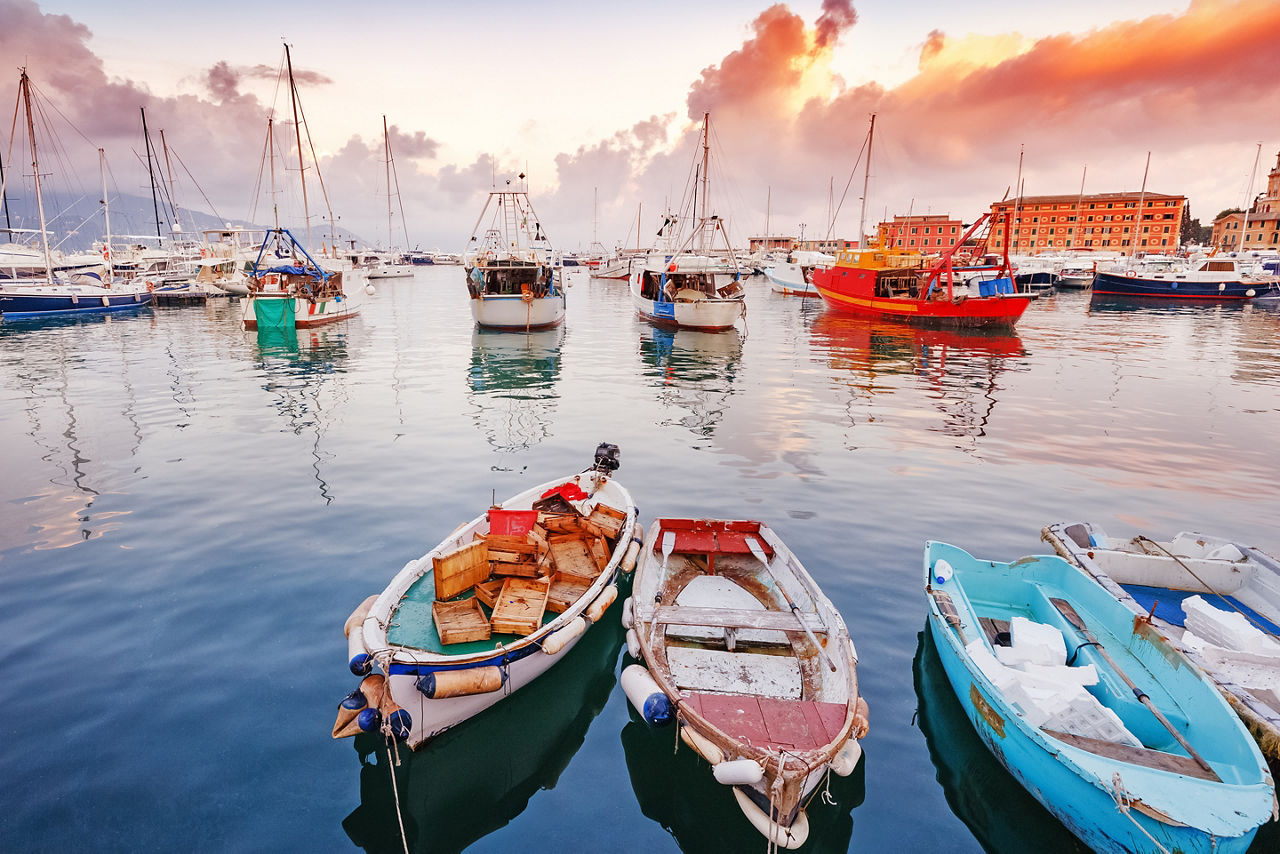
(511, 267)
(750, 660)
(490, 608)
(289, 289)
(1216, 600)
(1123, 739)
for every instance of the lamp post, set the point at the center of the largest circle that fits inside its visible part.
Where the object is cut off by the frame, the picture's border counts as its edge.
(802, 235)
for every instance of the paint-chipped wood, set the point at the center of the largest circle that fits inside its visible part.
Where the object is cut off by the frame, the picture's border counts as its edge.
(520, 606)
(739, 672)
(724, 617)
(1157, 759)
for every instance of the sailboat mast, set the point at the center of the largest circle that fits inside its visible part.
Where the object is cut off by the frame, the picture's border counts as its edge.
(386, 145)
(866, 182)
(1248, 202)
(35, 168)
(639, 212)
(297, 131)
(1133, 244)
(146, 141)
(168, 168)
(106, 210)
(4, 197)
(271, 158)
(768, 205)
(1079, 202)
(1017, 202)
(706, 156)
(595, 213)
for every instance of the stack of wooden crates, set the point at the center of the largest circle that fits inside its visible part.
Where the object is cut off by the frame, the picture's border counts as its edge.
(531, 562)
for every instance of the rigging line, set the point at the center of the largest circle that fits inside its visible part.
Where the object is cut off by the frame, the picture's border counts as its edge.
(13, 128)
(847, 184)
(197, 183)
(396, 178)
(45, 98)
(315, 161)
(262, 164)
(1207, 588)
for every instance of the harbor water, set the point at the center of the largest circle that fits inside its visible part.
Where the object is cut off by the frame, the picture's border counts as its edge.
(190, 512)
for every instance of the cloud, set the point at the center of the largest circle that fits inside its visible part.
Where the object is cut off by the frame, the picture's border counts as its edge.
(837, 16)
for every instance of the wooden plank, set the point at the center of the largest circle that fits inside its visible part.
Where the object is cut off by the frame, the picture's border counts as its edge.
(460, 622)
(681, 615)
(520, 606)
(565, 590)
(570, 556)
(737, 672)
(609, 519)
(1157, 759)
(786, 724)
(487, 591)
(461, 570)
(994, 629)
(738, 717)
(599, 550)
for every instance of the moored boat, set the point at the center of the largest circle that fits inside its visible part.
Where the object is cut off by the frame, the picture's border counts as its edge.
(1207, 279)
(793, 277)
(1217, 600)
(511, 271)
(299, 294)
(491, 608)
(753, 664)
(1123, 739)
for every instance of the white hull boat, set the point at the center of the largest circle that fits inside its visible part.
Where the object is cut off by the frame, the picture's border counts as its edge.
(513, 312)
(392, 271)
(750, 661)
(791, 280)
(435, 672)
(1216, 600)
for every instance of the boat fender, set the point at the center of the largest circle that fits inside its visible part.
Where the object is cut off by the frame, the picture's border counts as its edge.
(861, 718)
(370, 290)
(442, 684)
(628, 614)
(366, 697)
(942, 572)
(702, 746)
(629, 559)
(597, 608)
(633, 644)
(401, 722)
(784, 837)
(369, 720)
(1222, 286)
(1251, 293)
(358, 658)
(560, 638)
(738, 772)
(847, 758)
(645, 696)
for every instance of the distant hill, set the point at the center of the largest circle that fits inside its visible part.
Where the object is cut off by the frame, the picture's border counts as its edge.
(76, 222)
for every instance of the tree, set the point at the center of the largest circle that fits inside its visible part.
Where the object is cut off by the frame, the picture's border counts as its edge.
(1227, 212)
(1189, 231)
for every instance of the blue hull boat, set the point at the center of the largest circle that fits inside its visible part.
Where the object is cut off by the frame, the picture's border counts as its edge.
(26, 303)
(1089, 747)
(1172, 287)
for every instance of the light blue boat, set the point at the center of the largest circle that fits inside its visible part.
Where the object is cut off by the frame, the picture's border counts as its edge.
(1103, 764)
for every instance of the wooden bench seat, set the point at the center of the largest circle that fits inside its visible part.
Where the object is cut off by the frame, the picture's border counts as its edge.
(681, 615)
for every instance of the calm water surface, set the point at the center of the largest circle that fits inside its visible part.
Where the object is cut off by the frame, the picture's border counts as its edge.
(190, 512)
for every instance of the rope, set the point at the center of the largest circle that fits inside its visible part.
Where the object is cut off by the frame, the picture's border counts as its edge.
(1121, 797)
(395, 789)
(1140, 539)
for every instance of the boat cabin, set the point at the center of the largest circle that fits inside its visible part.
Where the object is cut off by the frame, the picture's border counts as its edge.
(668, 286)
(510, 277)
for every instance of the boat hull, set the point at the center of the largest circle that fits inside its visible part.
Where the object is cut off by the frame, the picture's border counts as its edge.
(789, 279)
(844, 289)
(1080, 788)
(704, 315)
(306, 314)
(1125, 284)
(511, 313)
(28, 303)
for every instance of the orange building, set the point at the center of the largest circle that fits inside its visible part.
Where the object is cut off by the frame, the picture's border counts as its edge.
(1263, 231)
(1108, 221)
(922, 232)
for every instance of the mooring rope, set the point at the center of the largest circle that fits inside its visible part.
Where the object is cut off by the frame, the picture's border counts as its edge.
(1122, 799)
(1141, 539)
(395, 789)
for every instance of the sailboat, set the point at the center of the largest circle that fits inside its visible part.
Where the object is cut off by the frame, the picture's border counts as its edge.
(52, 294)
(511, 270)
(395, 266)
(691, 289)
(288, 288)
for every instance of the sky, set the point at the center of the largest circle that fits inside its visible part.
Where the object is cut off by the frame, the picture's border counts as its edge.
(601, 106)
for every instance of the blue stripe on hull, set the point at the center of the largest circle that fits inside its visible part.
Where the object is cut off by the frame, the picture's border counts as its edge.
(1113, 283)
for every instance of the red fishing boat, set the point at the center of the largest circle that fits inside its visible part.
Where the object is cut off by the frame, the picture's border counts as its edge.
(898, 285)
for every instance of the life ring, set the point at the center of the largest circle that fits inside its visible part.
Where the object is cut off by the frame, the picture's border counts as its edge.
(151, 286)
(672, 268)
(526, 294)
(1131, 274)
(106, 252)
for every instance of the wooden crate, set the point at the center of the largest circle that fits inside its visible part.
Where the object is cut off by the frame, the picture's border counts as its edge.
(565, 590)
(571, 555)
(608, 519)
(487, 591)
(520, 606)
(599, 551)
(461, 569)
(561, 523)
(460, 622)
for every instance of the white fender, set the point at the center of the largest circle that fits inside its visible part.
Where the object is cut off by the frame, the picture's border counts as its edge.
(628, 615)
(359, 614)
(629, 559)
(784, 837)
(645, 695)
(633, 644)
(597, 608)
(559, 639)
(358, 660)
(738, 772)
(847, 758)
(702, 746)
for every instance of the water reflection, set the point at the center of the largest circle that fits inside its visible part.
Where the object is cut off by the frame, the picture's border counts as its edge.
(298, 367)
(1003, 816)
(675, 788)
(1114, 304)
(956, 369)
(477, 777)
(511, 385)
(694, 373)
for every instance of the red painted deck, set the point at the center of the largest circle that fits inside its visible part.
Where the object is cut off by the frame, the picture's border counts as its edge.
(768, 723)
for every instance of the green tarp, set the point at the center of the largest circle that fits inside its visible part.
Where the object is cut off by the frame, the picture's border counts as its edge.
(273, 313)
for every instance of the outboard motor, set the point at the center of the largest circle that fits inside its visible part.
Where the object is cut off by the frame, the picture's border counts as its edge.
(606, 458)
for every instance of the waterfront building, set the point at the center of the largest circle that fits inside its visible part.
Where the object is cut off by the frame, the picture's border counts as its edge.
(921, 232)
(1263, 231)
(1101, 221)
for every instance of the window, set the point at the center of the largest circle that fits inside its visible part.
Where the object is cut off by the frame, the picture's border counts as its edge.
(1109, 205)
(1092, 205)
(953, 231)
(915, 230)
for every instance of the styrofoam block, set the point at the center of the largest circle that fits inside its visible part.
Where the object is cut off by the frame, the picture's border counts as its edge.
(1226, 629)
(1228, 552)
(997, 673)
(1085, 716)
(1038, 643)
(1083, 675)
